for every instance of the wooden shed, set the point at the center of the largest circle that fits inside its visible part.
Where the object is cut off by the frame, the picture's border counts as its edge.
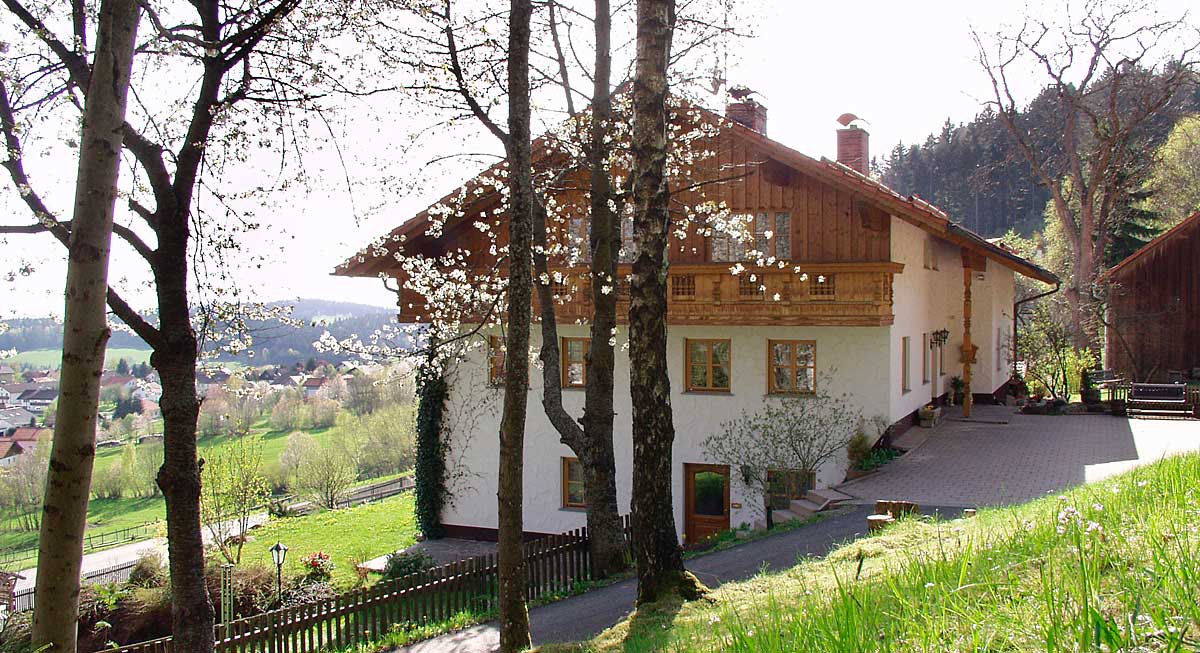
(1153, 319)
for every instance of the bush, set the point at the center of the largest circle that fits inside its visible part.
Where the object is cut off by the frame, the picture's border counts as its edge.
(109, 484)
(876, 458)
(322, 413)
(288, 414)
(317, 566)
(308, 591)
(858, 448)
(149, 571)
(402, 564)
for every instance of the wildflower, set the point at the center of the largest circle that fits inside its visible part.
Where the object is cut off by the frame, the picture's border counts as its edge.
(1094, 527)
(930, 585)
(714, 619)
(1143, 483)
(1098, 507)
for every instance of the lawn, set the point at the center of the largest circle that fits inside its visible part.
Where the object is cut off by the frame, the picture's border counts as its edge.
(52, 358)
(1112, 566)
(349, 536)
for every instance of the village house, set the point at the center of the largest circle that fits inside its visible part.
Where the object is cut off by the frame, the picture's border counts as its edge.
(863, 292)
(9, 450)
(1153, 323)
(7, 373)
(36, 400)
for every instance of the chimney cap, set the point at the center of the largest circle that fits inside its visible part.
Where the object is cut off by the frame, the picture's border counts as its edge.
(848, 120)
(741, 93)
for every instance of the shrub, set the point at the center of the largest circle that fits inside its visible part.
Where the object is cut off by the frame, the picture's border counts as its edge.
(309, 591)
(148, 571)
(323, 412)
(858, 448)
(317, 566)
(110, 483)
(402, 564)
(288, 414)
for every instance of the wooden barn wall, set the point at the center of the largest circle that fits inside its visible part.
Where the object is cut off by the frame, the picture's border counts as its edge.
(1155, 305)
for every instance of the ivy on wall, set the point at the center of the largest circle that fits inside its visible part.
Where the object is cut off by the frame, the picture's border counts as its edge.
(430, 472)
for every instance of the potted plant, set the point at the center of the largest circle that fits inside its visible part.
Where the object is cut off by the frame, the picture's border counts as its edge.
(929, 415)
(957, 390)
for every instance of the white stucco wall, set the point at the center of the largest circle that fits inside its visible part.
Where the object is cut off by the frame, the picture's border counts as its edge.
(858, 354)
(927, 300)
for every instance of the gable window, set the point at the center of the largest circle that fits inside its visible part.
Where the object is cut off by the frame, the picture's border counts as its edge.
(495, 361)
(793, 366)
(626, 240)
(707, 365)
(725, 248)
(931, 261)
(905, 356)
(574, 362)
(779, 242)
(572, 484)
(580, 229)
(822, 287)
(926, 352)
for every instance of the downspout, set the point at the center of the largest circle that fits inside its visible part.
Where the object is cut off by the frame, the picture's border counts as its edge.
(1017, 313)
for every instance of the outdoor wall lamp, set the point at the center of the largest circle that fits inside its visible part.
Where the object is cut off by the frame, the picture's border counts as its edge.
(938, 338)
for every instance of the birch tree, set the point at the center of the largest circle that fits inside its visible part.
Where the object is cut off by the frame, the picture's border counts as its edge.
(85, 331)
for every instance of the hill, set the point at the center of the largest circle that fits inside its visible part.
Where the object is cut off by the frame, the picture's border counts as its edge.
(1111, 566)
(38, 340)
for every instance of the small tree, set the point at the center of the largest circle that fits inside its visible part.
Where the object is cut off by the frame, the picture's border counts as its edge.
(325, 474)
(232, 490)
(793, 433)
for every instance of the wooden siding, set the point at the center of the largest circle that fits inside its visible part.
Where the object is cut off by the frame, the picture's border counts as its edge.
(1154, 307)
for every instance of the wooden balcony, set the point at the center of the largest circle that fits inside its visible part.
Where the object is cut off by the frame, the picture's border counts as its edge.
(832, 294)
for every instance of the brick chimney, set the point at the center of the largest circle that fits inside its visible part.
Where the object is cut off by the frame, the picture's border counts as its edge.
(853, 150)
(746, 111)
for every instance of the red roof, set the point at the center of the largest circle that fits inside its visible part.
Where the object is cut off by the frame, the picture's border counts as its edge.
(30, 433)
(8, 448)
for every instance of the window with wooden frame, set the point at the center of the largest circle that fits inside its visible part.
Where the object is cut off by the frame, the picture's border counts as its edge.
(626, 253)
(905, 356)
(495, 361)
(707, 365)
(572, 484)
(926, 352)
(822, 287)
(683, 286)
(580, 229)
(931, 260)
(773, 234)
(942, 360)
(574, 362)
(750, 286)
(792, 366)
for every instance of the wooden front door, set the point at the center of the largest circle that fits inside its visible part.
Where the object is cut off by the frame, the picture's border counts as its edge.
(706, 501)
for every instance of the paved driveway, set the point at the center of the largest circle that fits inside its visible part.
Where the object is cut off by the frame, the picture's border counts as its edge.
(988, 464)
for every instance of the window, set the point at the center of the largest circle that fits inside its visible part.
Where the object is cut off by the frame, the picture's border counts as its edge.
(574, 362)
(793, 366)
(999, 348)
(707, 365)
(726, 248)
(779, 225)
(750, 286)
(495, 361)
(931, 261)
(626, 240)
(821, 287)
(942, 360)
(580, 229)
(572, 484)
(683, 286)
(926, 352)
(904, 358)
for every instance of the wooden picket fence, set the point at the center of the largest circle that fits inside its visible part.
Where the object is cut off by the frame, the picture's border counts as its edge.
(553, 564)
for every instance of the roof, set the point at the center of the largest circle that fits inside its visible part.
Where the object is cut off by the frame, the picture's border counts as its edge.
(30, 433)
(911, 209)
(9, 448)
(15, 416)
(39, 394)
(314, 382)
(1164, 237)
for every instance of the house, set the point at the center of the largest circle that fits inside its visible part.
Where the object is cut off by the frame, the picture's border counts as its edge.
(9, 450)
(6, 373)
(874, 296)
(30, 435)
(35, 400)
(312, 385)
(1152, 326)
(5, 396)
(14, 416)
(211, 378)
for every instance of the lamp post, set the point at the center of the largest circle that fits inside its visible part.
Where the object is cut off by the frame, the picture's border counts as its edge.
(278, 556)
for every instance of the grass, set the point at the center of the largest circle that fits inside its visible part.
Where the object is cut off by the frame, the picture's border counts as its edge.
(52, 358)
(1112, 566)
(349, 536)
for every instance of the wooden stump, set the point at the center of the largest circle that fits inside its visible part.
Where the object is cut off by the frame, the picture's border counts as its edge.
(876, 523)
(896, 508)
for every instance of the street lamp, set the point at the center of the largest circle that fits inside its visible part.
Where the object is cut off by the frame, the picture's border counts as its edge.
(278, 556)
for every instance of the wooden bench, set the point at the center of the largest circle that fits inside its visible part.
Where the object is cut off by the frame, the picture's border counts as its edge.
(1158, 397)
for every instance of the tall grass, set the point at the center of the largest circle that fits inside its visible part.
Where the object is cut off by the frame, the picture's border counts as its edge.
(1113, 566)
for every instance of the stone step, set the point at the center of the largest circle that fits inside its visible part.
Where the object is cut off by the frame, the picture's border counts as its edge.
(806, 508)
(827, 495)
(781, 516)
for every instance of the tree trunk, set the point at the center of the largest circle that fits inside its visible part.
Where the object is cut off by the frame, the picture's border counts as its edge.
(606, 539)
(85, 333)
(514, 616)
(656, 546)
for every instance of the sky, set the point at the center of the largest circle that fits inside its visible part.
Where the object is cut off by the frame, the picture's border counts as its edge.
(903, 67)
